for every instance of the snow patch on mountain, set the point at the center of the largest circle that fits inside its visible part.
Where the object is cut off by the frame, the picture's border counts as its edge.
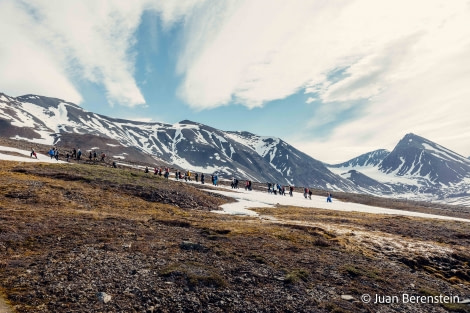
(445, 154)
(261, 144)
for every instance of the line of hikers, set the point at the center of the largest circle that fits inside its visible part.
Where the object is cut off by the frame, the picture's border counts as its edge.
(278, 189)
(281, 190)
(272, 188)
(187, 176)
(75, 154)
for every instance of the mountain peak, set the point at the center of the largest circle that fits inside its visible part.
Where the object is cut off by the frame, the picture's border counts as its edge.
(418, 156)
(413, 140)
(188, 122)
(45, 102)
(412, 136)
(373, 158)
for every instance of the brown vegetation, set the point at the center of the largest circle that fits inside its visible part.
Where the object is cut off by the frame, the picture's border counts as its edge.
(70, 235)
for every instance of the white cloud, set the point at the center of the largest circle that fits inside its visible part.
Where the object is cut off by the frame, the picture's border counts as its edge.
(27, 64)
(311, 99)
(48, 43)
(96, 37)
(407, 60)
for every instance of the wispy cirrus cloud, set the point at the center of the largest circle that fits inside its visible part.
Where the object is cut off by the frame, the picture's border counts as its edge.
(401, 61)
(394, 67)
(28, 64)
(52, 45)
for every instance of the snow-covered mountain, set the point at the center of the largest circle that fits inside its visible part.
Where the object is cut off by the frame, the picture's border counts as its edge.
(185, 145)
(416, 168)
(373, 158)
(415, 156)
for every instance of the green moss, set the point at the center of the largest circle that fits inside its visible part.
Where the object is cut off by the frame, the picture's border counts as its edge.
(296, 275)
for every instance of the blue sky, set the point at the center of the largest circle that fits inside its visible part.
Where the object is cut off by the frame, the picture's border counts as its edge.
(335, 78)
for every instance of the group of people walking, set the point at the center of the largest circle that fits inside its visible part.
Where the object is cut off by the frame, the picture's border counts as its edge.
(54, 153)
(277, 189)
(75, 154)
(187, 175)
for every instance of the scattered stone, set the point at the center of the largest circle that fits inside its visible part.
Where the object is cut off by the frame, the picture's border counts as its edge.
(188, 245)
(347, 297)
(103, 297)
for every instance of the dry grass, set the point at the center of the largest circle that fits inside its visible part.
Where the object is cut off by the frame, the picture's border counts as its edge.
(68, 232)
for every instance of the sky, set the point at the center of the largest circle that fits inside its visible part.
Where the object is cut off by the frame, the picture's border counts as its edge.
(333, 78)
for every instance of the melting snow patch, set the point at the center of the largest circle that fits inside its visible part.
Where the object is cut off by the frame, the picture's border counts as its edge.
(26, 158)
(253, 199)
(241, 208)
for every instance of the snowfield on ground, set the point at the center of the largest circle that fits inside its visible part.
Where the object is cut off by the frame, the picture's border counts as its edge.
(256, 199)
(41, 157)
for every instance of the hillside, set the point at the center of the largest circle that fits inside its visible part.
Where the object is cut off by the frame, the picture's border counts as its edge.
(90, 238)
(186, 145)
(416, 169)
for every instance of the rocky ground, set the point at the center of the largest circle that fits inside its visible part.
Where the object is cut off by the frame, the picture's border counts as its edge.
(88, 238)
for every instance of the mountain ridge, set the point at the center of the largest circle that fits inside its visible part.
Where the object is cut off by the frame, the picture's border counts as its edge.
(415, 168)
(186, 144)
